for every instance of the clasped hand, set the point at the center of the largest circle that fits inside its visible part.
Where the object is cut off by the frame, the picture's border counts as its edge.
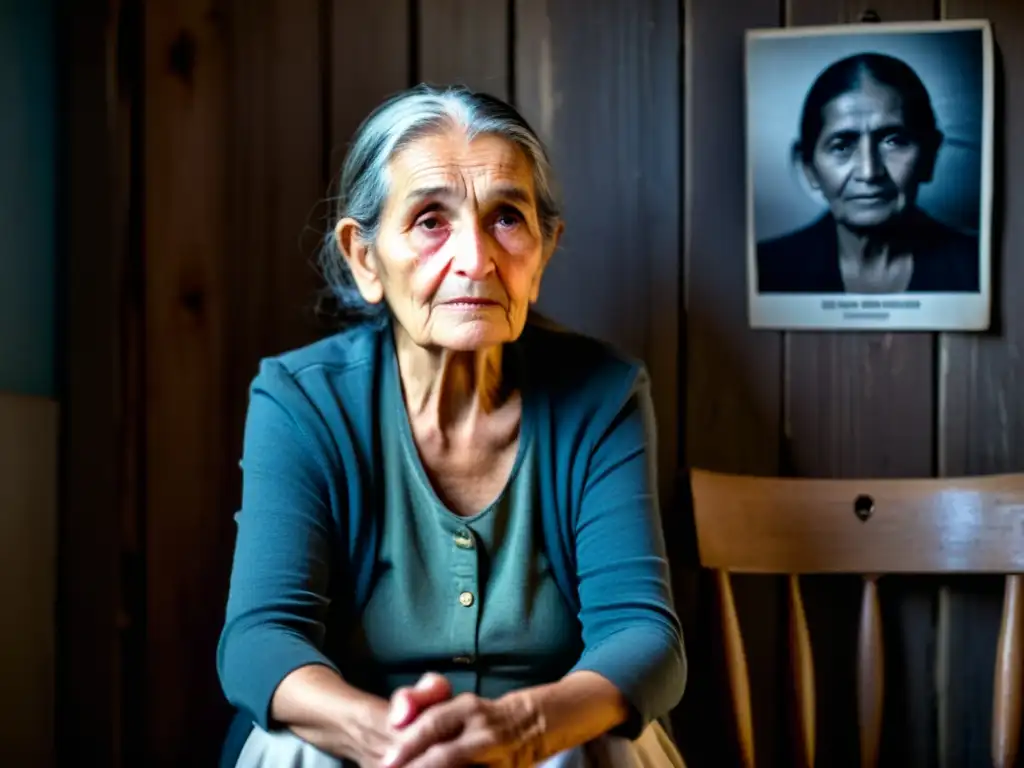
(433, 729)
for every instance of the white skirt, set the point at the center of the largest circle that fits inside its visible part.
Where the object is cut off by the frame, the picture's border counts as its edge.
(653, 749)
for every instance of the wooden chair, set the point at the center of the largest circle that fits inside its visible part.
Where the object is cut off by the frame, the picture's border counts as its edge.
(869, 527)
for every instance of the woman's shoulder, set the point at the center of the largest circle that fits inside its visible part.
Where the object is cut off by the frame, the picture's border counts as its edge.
(339, 369)
(324, 389)
(801, 261)
(352, 347)
(937, 235)
(946, 259)
(574, 366)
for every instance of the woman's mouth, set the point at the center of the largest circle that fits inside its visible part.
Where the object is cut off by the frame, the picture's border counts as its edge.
(871, 197)
(469, 302)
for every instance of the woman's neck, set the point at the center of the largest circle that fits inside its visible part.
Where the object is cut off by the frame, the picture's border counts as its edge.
(869, 263)
(861, 248)
(449, 388)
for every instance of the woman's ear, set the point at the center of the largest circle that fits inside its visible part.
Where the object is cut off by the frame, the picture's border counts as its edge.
(797, 158)
(358, 254)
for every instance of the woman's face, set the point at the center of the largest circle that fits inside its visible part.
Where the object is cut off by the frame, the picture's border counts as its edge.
(460, 254)
(865, 162)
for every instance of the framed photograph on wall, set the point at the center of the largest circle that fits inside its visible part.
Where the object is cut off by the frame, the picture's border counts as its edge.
(869, 176)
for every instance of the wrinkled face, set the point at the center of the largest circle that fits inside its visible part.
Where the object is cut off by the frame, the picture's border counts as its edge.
(865, 163)
(460, 254)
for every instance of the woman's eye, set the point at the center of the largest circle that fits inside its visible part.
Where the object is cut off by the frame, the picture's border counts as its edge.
(840, 147)
(896, 140)
(430, 222)
(508, 218)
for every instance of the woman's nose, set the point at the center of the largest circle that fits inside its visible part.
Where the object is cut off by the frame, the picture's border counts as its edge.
(869, 164)
(474, 257)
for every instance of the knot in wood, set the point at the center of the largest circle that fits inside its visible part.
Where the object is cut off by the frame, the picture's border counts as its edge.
(863, 507)
(182, 55)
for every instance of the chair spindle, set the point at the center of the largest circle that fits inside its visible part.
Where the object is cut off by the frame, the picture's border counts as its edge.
(802, 666)
(736, 664)
(1006, 704)
(870, 674)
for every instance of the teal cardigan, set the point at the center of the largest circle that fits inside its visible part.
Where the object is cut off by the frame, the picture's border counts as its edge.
(308, 525)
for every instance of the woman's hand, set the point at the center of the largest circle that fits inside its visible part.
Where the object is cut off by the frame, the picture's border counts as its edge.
(409, 703)
(377, 728)
(469, 730)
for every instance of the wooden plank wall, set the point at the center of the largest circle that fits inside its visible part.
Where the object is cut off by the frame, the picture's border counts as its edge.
(981, 405)
(616, 148)
(28, 551)
(248, 108)
(848, 405)
(187, 451)
(857, 405)
(733, 374)
(100, 295)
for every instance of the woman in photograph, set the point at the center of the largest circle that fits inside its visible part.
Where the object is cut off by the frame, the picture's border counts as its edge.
(449, 548)
(868, 139)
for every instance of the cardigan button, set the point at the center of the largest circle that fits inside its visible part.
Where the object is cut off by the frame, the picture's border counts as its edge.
(466, 598)
(463, 540)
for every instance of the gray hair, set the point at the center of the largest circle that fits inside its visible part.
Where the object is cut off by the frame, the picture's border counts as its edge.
(399, 121)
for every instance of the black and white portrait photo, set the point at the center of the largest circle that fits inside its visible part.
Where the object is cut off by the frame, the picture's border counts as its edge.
(869, 176)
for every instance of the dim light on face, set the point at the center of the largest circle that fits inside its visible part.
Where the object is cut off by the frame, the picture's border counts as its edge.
(865, 162)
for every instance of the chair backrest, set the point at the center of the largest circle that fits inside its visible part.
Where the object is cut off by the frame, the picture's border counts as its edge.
(794, 526)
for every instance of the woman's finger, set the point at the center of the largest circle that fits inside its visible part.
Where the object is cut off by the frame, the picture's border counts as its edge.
(449, 754)
(408, 703)
(469, 749)
(432, 688)
(440, 723)
(401, 710)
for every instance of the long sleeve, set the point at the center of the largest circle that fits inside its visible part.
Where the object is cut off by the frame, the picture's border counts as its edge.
(631, 633)
(277, 601)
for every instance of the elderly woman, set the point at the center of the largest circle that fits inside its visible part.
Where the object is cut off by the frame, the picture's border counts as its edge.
(449, 547)
(868, 141)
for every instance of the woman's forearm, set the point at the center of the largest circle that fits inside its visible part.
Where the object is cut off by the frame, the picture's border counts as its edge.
(578, 708)
(322, 709)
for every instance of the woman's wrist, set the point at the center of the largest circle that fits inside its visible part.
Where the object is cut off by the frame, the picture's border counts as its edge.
(317, 705)
(558, 716)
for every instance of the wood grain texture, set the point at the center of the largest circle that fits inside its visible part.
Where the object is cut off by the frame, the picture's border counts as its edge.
(916, 526)
(806, 525)
(736, 666)
(807, 12)
(359, 33)
(602, 89)
(277, 169)
(870, 675)
(187, 453)
(1009, 677)
(28, 551)
(861, 405)
(465, 42)
(369, 59)
(733, 374)
(801, 665)
(95, 107)
(981, 397)
(920, 526)
(129, 366)
(616, 152)
(277, 178)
